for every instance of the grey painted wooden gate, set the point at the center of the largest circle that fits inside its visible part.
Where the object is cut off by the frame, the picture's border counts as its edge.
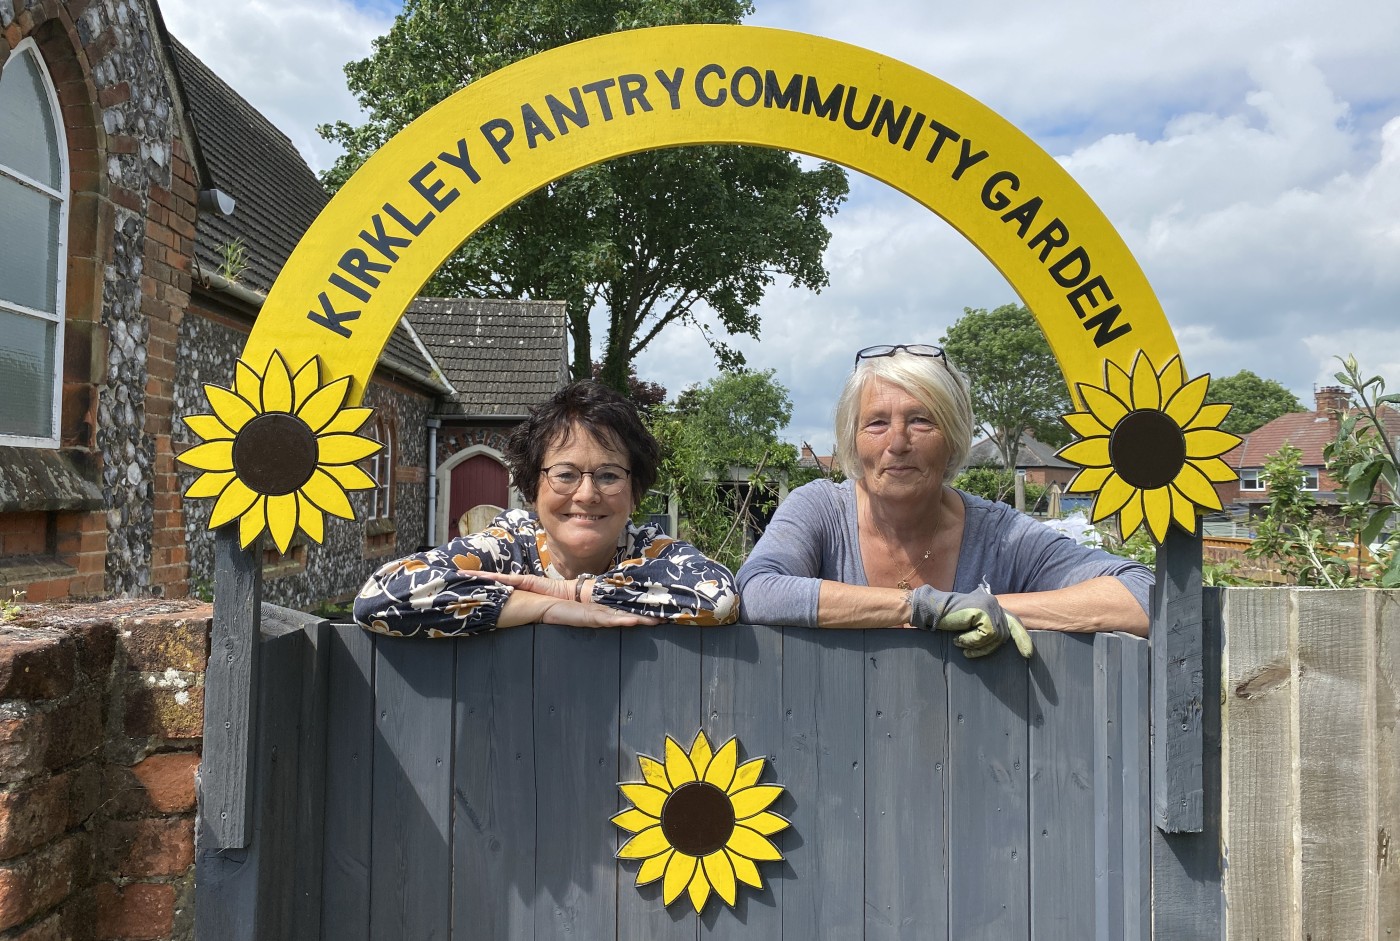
(462, 789)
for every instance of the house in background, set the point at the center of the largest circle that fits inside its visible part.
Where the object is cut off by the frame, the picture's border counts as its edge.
(1035, 458)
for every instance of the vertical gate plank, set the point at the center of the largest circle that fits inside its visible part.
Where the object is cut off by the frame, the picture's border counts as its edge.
(988, 803)
(1259, 748)
(1062, 786)
(906, 741)
(1178, 779)
(1108, 787)
(1137, 789)
(823, 762)
(743, 696)
(576, 694)
(349, 785)
(493, 762)
(311, 788)
(1388, 763)
(1336, 723)
(411, 882)
(660, 696)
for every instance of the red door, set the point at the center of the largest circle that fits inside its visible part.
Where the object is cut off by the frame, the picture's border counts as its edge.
(479, 479)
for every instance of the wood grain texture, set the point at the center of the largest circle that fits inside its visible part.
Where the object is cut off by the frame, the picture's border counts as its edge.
(1178, 749)
(349, 789)
(494, 793)
(1137, 791)
(1387, 765)
(906, 757)
(309, 822)
(1108, 788)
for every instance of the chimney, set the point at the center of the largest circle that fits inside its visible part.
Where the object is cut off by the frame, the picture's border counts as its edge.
(1332, 399)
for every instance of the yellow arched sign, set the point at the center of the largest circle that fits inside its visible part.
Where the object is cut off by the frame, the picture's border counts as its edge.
(473, 155)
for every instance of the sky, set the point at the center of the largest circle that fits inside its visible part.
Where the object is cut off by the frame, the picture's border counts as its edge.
(1248, 152)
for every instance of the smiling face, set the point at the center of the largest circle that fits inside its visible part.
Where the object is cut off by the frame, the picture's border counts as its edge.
(902, 451)
(584, 526)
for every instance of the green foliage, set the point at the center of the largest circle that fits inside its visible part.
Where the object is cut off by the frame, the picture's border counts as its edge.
(732, 422)
(1290, 534)
(1256, 401)
(9, 610)
(233, 260)
(1363, 460)
(1017, 385)
(995, 483)
(1140, 548)
(649, 237)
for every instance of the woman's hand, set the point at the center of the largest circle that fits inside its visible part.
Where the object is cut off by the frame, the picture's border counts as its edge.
(539, 600)
(589, 614)
(562, 588)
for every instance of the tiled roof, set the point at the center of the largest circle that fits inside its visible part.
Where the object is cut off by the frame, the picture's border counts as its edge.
(1309, 432)
(276, 195)
(502, 357)
(1033, 453)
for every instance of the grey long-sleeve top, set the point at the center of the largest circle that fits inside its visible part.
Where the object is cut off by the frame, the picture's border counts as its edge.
(814, 536)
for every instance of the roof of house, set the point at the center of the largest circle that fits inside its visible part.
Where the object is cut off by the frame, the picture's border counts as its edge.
(1309, 432)
(501, 356)
(1033, 453)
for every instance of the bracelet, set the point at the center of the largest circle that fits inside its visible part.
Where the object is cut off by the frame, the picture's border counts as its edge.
(578, 586)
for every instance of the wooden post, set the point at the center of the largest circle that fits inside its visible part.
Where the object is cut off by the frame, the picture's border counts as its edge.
(230, 696)
(1177, 746)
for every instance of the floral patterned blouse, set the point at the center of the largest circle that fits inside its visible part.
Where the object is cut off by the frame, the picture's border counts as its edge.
(434, 593)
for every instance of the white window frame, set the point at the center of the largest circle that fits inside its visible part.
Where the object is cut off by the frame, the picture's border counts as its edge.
(1312, 479)
(30, 48)
(1252, 480)
(381, 468)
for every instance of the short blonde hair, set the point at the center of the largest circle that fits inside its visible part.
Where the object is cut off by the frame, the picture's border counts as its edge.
(932, 380)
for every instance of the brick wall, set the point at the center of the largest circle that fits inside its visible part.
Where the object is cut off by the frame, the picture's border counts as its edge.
(101, 712)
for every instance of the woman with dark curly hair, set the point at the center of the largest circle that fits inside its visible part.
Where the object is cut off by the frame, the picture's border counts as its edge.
(586, 459)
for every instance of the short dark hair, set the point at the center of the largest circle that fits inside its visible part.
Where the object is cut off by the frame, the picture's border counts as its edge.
(595, 408)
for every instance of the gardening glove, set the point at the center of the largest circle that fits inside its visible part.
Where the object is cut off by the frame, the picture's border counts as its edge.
(978, 618)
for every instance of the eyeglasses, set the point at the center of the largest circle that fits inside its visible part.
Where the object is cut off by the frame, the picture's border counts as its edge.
(913, 349)
(564, 479)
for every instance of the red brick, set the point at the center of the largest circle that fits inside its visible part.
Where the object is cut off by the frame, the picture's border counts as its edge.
(165, 713)
(36, 665)
(167, 781)
(141, 911)
(162, 643)
(50, 739)
(31, 817)
(154, 846)
(35, 883)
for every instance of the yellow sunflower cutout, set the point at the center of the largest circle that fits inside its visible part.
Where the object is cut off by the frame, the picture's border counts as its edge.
(279, 452)
(700, 821)
(1150, 447)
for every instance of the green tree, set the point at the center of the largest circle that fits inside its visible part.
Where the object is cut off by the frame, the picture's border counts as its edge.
(1364, 459)
(1017, 385)
(651, 238)
(1290, 533)
(1256, 401)
(732, 422)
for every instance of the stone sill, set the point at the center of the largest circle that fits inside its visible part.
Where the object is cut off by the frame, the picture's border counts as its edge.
(24, 570)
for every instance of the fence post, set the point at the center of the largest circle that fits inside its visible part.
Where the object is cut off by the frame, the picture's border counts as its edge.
(1177, 745)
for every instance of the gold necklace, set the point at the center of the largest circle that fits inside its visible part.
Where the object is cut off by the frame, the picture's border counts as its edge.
(903, 583)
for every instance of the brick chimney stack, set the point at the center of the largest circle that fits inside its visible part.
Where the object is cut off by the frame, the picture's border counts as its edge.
(1332, 399)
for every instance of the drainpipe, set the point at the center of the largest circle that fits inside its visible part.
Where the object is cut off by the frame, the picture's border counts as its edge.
(433, 425)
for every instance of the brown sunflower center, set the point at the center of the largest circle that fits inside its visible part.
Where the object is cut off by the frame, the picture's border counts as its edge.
(697, 819)
(1147, 449)
(275, 454)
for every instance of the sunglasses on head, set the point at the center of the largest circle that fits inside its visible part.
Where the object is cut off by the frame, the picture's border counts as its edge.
(913, 349)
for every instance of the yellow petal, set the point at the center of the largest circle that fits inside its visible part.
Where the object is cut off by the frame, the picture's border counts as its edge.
(252, 523)
(209, 484)
(208, 427)
(745, 870)
(246, 382)
(766, 823)
(634, 821)
(721, 875)
(647, 843)
(1186, 403)
(233, 409)
(1209, 442)
(1210, 416)
(210, 456)
(1116, 492)
(350, 477)
(282, 519)
(1215, 470)
(647, 799)
(344, 449)
(1157, 504)
(277, 385)
(654, 868)
(1147, 392)
(1108, 408)
(679, 770)
(325, 492)
(699, 889)
(310, 518)
(653, 772)
(323, 404)
(1183, 511)
(678, 873)
(1130, 517)
(746, 775)
(751, 800)
(700, 754)
(305, 383)
(752, 844)
(720, 773)
(1090, 452)
(1120, 384)
(232, 503)
(1090, 479)
(1196, 487)
(1171, 377)
(347, 420)
(1086, 424)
